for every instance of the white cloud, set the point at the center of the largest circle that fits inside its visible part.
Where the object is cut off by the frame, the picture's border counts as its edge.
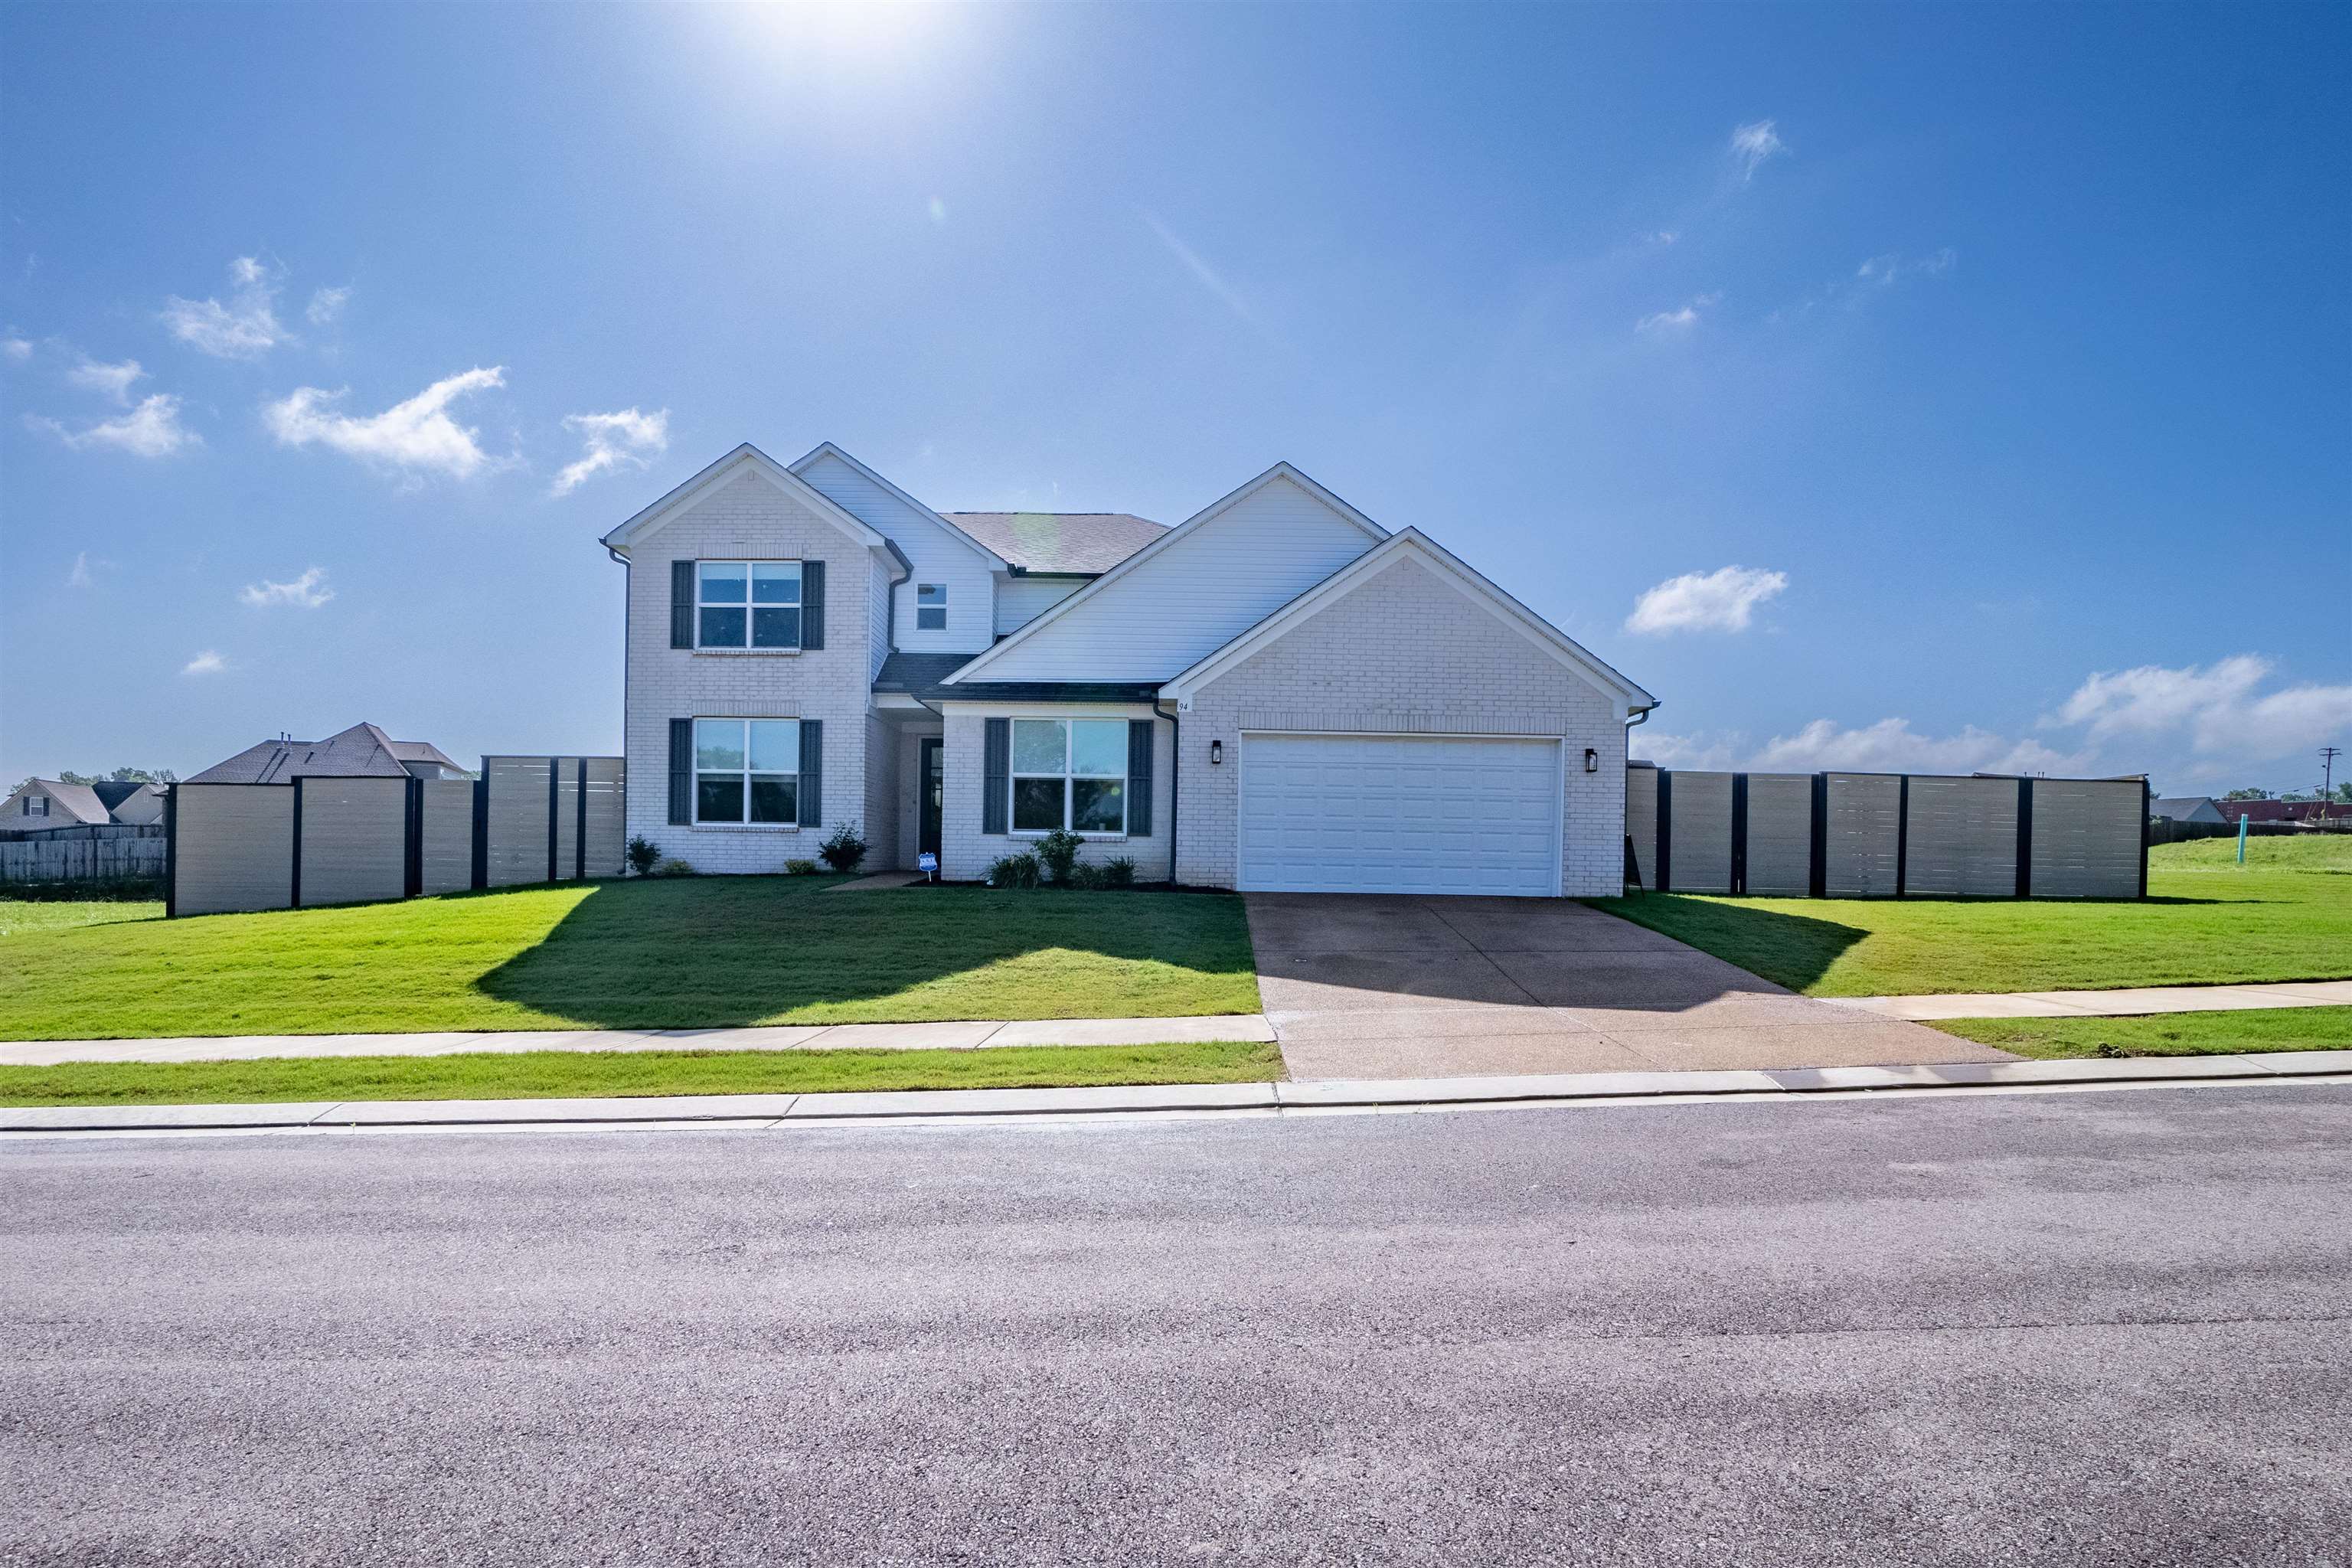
(245, 328)
(614, 439)
(1752, 144)
(111, 380)
(206, 663)
(326, 305)
(939, 210)
(1885, 270)
(16, 348)
(2217, 707)
(308, 591)
(1722, 600)
(150, 430)
(1198, 267)
(1678, 321)
(1891, 745)
(414, 437)
(80, 577)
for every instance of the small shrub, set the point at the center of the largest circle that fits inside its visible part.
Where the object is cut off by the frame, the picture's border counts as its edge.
(1118, 871)
(800, 868)
(1083, 877)
(643, 855)
(844, 850)
(1058, 851)
(674, 867)
(1013, 871)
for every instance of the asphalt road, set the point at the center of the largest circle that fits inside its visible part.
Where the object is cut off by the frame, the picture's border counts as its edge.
(2081, 1328)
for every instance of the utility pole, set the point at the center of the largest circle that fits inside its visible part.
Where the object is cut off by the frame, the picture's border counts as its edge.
(2327, 755)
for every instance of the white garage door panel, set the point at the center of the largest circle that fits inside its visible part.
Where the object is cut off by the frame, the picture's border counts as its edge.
(1399, 814)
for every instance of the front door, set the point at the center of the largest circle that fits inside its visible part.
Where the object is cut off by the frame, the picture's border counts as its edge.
(931, 797)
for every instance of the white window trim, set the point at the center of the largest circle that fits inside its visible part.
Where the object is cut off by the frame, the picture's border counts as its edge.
(739, 824)
(747, 562)
(41, 801)
(1012, 777)
(922, 609)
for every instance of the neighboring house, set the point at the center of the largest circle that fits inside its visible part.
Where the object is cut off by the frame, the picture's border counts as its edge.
(1277, 693)
(2187, 808)
(2285, 810)
(361, 751)
(45, 806)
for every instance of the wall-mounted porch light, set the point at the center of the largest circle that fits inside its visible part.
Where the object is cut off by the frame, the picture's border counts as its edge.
(1591, 760)
(1216, 753)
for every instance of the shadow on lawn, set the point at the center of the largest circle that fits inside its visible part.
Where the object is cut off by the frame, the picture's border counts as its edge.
(725, 951)
(1789, 950)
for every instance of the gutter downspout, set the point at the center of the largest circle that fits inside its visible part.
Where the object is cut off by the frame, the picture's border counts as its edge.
(1175, 779)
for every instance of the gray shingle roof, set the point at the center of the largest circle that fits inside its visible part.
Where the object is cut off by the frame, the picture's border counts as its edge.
(361, 751)
(78, 801)
(1085, 542)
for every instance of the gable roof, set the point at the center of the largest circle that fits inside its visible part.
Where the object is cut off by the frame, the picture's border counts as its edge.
(745, 458)
(1184, 530)
(1060, 543)
(826, 448)
(361, 751)
(1413, 543)
(78, 802)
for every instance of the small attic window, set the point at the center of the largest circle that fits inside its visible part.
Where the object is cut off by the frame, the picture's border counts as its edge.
(37, 805)
(930, 607)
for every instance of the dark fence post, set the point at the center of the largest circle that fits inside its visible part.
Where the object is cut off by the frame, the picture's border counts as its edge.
(1740, 833)
(296, 890)
(413, 839)
(1665, 850)
(580, 823)
(2025, 839)
(554, 789)
(1820, 845)
(482, 827)
(1902, 835)
(172, 852)
(2146, 804)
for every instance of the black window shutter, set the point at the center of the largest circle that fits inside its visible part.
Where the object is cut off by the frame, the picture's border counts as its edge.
(1138, 778)
(812, 804)
(681, 606)
(681, 772)
(812, 604)
(996, 775)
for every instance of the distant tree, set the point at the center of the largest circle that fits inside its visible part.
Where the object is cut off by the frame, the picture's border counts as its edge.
(2344, 793)
(2250, 795)
(119, 775)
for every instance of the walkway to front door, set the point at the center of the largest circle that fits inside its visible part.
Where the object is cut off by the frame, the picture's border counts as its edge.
(1386, 985)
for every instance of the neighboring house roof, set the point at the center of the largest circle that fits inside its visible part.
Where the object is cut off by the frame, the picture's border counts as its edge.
(1416, 545)
(2285, 810)
(113, 793)
(79, 802)
(826, 448)
(1373, 532)
(1060, 543)
(421, 752)
(2187, 808)
(361, 751)
(747, 458)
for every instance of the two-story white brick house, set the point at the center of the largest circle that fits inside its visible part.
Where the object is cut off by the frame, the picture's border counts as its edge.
(1277, 693)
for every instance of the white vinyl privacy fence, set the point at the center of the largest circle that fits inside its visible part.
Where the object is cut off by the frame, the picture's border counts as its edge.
(1885, 836)
(310, 841)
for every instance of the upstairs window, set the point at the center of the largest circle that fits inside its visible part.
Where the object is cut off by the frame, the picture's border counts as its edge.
(930, 607)
(37, 805)
(747, 770)
(1069, 773)
(748, 603)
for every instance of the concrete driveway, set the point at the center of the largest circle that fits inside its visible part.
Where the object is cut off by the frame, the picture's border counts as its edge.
(1361, 985)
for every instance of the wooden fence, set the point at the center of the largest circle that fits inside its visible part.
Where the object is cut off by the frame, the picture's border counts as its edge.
(116, 852)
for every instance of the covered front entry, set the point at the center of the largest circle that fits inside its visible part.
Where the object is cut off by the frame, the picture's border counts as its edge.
(1399, 814)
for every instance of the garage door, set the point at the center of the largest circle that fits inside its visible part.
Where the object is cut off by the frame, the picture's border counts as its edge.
(1399, 814)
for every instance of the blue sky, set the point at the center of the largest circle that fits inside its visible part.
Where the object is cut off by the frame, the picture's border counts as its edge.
(1922, 386)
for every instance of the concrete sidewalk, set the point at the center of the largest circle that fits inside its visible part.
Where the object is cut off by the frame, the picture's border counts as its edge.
(2135, 1000)
(973, 1035)
(754, 1113)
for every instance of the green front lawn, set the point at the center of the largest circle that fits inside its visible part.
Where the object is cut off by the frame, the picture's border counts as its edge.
(2206, 921)
(527, 1075)
(2165, 1034)
(669, 953)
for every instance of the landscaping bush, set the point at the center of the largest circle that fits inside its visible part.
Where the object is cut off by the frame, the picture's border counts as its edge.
(643, 855)
(1013, 871)
(1083, 876)
(800, 868)
(673, 866)
(1058, 851)
(844, 850)
(1118, 872)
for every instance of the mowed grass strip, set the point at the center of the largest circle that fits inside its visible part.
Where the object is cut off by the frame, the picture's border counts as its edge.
(682, 952)
(542, 1075)
(2164, 1035)
(2206, 921)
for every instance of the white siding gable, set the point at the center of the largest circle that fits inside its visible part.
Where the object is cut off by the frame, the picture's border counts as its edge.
(936, 553)
(1019, 600)
(1199, 593)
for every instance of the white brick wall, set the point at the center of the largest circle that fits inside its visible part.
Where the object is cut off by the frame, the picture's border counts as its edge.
(1407, 651)
(965, 851)
(750, 518)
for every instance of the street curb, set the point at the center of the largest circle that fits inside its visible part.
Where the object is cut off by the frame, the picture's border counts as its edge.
(756, 1111)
